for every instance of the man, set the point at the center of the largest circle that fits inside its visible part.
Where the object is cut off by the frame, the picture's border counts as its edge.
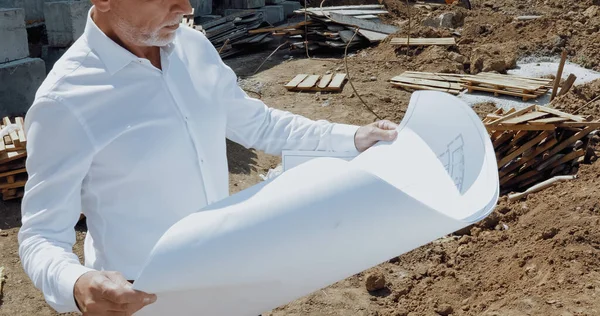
(130, 127)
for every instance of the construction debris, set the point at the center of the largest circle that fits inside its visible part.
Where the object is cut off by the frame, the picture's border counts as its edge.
(339, 27)
(1, 281)
(328, 83)
(537, 143)
(231, 34)
(403, 41)
(13, 153)
(524, 87)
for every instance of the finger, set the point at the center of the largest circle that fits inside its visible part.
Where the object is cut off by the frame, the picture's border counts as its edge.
(385, 135)
(127, 293)
(387, 125)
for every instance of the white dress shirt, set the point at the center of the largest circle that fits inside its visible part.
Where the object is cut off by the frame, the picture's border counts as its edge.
(136, 149)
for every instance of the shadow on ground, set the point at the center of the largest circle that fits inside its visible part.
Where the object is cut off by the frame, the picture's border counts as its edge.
(240, 159)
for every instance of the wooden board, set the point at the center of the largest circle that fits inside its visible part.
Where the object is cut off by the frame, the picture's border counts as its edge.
(538, 151)
(525, 96)
(337, 82)
(21, 131)
(575, 118)
(523, 148)
(432, 76)
(549, 120)
(580, 124)
(19, 182)
(515, 113)
(296, 81)
(308, 83)
(427, 82)
(403, 41)
(13, 172)
(504, 83)
(325, 81)
(524, 118)
(10, 156)
(522, 127)
(420, 87)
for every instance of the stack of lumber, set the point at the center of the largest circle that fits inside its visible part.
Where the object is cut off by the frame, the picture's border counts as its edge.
(413, 80)
(525, 87)
(536, 143)
(231, 34)
(328, 83)
(334, 27)
(13, 174)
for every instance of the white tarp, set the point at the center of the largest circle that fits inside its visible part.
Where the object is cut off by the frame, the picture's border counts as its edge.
(328, 219)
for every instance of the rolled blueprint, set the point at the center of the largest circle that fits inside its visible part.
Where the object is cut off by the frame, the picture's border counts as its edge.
(328, 219)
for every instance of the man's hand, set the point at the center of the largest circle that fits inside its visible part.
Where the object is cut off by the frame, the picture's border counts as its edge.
(368, 135)
(108, 293)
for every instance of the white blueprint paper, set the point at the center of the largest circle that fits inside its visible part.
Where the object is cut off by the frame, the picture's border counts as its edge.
(328, 219)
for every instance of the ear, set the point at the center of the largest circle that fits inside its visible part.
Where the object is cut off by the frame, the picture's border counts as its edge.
(102, 5)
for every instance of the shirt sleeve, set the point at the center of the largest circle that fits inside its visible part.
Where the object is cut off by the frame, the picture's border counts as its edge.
(59, 155)
(254, 125)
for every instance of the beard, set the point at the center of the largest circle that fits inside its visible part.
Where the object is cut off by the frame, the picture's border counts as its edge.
(145, 37)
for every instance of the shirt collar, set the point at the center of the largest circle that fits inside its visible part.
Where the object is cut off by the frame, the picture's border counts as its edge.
(113, 55)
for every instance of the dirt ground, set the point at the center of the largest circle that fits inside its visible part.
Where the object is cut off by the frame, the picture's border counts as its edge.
(537, 256)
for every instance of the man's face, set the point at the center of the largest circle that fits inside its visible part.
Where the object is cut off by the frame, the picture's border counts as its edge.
(148, 22)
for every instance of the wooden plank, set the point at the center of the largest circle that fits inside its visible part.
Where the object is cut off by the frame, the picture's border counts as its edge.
(568, 157)
(308, 83)
(337, 82)
(10, 156)
(347, 13)
(514, 113)
(580, 124)
(16, 184)
(506, 136)
(403, 41)
(21, 131)
(325, 81)
(523, 148)
(561, 66)
(426, 82)
(344, 7)
(569, 141)
(567, 85)
(538, 151)
(522, 127)
(14, 136)
(524, 118)
(294, 82)
(496, 91)
(13, 172)
(575, 118)
(363, 24)
(548, 120)
(419, 87)
(502, 83)
(432, 76)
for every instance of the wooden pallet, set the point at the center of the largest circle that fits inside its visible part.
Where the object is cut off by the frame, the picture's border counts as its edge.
(404, 41)
(526, 88)
(13, 153)
(536, 143)
(328, 83)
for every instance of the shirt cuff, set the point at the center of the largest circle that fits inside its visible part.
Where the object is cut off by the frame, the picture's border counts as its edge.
(66, 285)
(342, 138)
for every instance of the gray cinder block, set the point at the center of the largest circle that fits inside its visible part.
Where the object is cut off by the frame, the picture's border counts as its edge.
(13, 35)
(20, 81)
(65, 21)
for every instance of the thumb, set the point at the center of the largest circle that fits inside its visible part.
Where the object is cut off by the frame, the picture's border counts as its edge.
(384, 135)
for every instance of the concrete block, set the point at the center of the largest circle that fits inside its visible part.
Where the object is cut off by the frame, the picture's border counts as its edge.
(13, 35)
(273, 1)
(34, 9)
(201, 7)
(20, 81)
(65, 21)
(274, 14)
(234, 11)
(243, 4)
(50, 55)
(290, 6)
